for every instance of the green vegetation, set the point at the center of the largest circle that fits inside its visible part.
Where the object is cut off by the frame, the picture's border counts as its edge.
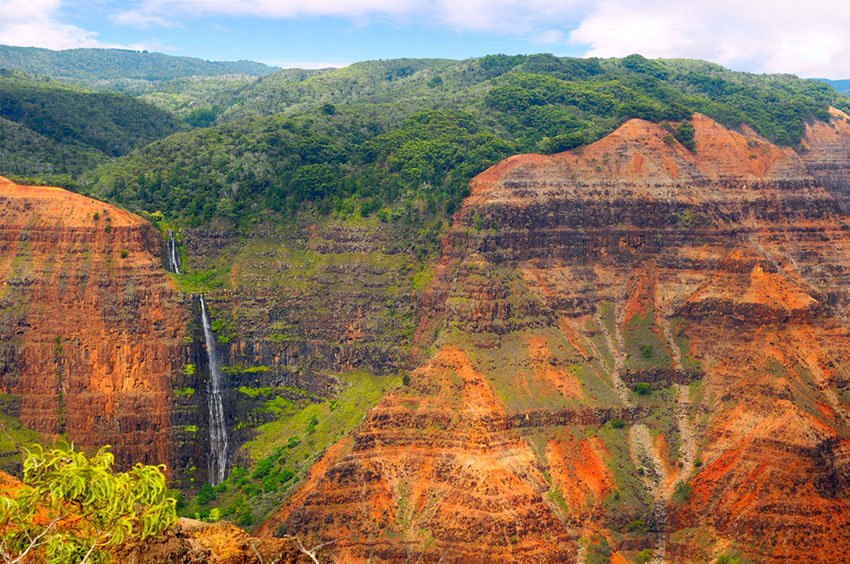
(598, 551)
(630, 501)
(111, 124)
(52, 132)
(411, 133)
(645, 348)
(643, 389)
(98, 67)
(682, 493)
(733, 557)
(13, 435)
(201, 281)
(284, 449)
(74, 509)
(644, 556)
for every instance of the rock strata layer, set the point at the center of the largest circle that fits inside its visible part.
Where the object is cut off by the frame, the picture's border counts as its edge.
(698, 298)
(90, 326)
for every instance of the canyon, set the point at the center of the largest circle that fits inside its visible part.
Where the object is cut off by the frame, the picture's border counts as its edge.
(630, 350)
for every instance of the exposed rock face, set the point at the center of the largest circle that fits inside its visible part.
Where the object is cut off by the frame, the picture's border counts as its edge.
(195, 542)
(433, 474)
(293, 307)
(90, 328)
(695, 302)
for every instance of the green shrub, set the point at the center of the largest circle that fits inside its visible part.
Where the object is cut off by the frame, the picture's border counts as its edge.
(643, 388)
(206, 494)
(638, 526)
(682, 493)
(74, 509)
(644, 556)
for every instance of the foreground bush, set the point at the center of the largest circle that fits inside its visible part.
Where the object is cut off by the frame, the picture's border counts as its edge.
(72, 508)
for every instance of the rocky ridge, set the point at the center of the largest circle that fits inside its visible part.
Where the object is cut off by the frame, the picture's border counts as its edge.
(697, 297)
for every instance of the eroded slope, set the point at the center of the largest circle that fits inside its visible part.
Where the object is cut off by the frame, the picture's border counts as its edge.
(659, 335)
(90, 328)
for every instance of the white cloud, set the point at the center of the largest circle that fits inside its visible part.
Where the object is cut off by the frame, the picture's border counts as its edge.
(527, 17)
(809, 38)
(39, 23)
(548, 37)
(36, 23)
(159, 11)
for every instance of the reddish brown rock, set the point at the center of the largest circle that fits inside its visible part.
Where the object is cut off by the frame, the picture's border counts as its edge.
(568, 279)
(90, 327)
(450, 484)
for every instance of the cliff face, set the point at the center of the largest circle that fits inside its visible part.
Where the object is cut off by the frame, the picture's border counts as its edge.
(630, 347)
(90, 328)
(292, 308)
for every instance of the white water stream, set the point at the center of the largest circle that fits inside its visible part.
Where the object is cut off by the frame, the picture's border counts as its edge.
(218, 430)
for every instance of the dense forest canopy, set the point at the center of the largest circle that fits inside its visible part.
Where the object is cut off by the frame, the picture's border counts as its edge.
(374, 138)
(380, 136)
(92, 66)
(51, 128)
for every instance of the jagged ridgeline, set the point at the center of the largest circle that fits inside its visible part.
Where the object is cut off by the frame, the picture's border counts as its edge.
(375, 136)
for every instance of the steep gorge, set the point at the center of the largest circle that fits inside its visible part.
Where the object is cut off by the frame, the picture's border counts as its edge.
(626, 347)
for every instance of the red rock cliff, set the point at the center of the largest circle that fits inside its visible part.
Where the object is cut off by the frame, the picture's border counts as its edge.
(716, 279)
(90, 327)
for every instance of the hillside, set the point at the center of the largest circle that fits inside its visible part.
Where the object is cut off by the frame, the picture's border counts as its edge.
(107, 66)
(633, 355)
(378, 136)
(52, 128)
(842, 86)
(516, 308)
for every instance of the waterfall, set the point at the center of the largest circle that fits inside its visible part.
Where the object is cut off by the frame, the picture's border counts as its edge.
(173, 255)
(218, 431)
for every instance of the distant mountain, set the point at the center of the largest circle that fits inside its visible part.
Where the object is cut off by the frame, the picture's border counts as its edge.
(93, 66)
(842, 86)
(385, 134)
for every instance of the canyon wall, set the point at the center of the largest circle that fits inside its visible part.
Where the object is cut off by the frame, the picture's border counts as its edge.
(630, 349)
(91, 329)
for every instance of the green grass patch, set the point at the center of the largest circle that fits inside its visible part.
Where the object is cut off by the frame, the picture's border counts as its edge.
(421, 279)
(201, 282)
(285, 449)
(14, 436)
(630, 501)
(255, 392)
(645, 348)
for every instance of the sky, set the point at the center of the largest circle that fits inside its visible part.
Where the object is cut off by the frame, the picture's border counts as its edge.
(808, 38)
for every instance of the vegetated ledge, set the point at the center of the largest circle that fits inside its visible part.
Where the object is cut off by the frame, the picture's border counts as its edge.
(661, 377)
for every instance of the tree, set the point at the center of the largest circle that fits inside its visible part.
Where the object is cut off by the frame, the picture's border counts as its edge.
(74, 509)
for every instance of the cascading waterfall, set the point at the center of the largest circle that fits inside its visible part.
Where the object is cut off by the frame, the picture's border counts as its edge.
(173, 255)
(218, 431)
